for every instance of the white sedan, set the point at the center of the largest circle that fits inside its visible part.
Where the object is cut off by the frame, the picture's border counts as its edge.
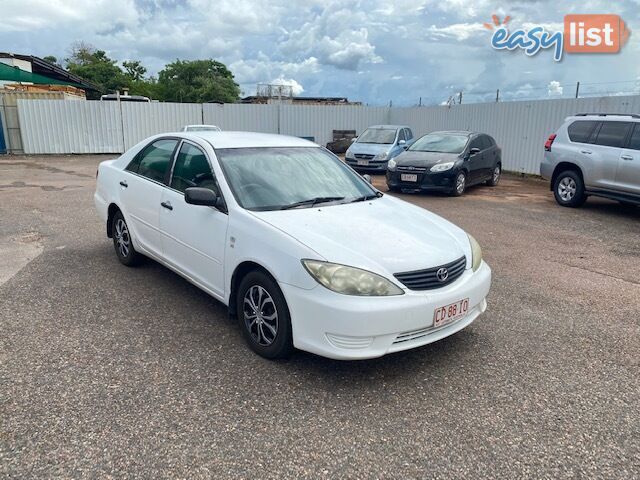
(304, 251)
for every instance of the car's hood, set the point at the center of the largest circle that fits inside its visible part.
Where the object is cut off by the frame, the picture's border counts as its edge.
(385, 235)
(370, 148)
(424, 159)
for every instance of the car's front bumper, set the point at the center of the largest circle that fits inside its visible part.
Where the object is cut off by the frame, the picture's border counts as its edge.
(372, 166)
(350, 327)
(426, 181)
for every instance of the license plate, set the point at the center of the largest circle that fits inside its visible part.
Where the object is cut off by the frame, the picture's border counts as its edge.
(363, 163)
(450, 313)
(408, 177)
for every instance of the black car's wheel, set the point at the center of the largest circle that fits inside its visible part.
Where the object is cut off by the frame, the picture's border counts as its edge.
(393, 189)
(460, 184)
(569, 189)
(264, 316)
(122, 241)
(495, 176)
(628, 204)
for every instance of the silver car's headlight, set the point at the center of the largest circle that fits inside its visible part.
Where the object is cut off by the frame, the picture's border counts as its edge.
(381, 156)
(442, 167)
(476, 253)
(392, 164)
(349, 154)
(350, 280)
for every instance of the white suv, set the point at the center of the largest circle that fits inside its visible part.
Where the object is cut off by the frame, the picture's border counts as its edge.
(594, 154)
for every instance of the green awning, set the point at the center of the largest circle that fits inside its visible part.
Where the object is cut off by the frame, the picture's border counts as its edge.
(15, 74)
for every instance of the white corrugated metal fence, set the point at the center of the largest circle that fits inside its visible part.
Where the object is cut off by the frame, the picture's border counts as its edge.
(520, 128)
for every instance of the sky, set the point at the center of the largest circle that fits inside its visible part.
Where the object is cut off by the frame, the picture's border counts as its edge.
(374, 51)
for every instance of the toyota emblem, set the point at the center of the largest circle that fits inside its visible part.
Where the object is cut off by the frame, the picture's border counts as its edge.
(442, 274)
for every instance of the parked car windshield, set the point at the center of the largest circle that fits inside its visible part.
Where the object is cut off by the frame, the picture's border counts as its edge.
(441, 143)
(378, 135)
(275, 178)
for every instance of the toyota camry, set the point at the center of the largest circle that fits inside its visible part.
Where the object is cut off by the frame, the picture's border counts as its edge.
(303, 250)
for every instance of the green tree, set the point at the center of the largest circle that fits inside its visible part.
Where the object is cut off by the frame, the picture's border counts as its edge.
(134, 70)
(197, 81)
(51, 59)
(96, 67)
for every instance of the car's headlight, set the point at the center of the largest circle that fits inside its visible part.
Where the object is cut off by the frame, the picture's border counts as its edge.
(381, 156)
(442, 167)
(392, 164)
(476, 253)
(348, 154)
(350, 280)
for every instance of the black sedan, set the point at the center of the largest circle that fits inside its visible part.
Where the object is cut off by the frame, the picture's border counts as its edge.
(446, 162)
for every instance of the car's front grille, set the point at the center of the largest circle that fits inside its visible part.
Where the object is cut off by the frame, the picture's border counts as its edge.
(412, 169)
(364, 156)
(429, 279)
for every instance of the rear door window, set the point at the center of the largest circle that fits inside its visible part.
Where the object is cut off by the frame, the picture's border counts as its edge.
(613, 134)
(401, 135)
(581, 130)
(153, 162)
(408, 133)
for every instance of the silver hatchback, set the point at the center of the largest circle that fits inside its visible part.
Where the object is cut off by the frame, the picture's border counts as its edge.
(594, 154)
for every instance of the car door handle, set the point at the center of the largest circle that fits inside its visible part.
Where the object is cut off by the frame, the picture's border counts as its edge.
(167, 205)
(586, 152)
(626, 157)
(124, 184)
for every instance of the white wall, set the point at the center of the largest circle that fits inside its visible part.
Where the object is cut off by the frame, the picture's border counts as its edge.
(520, 128)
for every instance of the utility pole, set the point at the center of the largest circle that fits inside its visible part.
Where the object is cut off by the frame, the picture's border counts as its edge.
(420, 102)
(577, 89)
(460, 97)
(497, 95)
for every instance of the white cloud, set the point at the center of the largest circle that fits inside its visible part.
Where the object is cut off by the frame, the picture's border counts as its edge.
(555, 89)
(296, 88)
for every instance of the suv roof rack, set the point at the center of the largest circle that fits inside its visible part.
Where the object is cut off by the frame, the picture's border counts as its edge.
(633, 115)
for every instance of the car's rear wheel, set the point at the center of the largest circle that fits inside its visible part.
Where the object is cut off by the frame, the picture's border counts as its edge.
(122, 241)
(569, 189)
(460, 184)
(264, 316)
(495, 176)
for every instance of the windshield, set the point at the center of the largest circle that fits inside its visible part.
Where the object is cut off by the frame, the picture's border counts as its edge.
(441, 143)
(378, 135)
(289, 177)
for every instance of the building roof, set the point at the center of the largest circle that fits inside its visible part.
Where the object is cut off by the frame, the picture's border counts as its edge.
(47, 73)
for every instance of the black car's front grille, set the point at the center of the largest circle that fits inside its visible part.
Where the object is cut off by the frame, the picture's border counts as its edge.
(412, 169)
(364, 156)
(428, 279)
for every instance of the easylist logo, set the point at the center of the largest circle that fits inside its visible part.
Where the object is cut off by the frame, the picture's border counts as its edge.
(582, 34)
(594, 33)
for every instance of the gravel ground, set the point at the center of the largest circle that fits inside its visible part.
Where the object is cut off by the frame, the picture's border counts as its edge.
(107, 371)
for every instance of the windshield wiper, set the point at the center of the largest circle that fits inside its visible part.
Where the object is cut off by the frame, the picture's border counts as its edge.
(311, 201)
(364, 198)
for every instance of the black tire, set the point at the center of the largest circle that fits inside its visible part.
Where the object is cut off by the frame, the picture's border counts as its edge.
(628, 204)
(259, 330)
(458, 190)
(568, 189)
(495, 176)
(393, 189)
(122, 241)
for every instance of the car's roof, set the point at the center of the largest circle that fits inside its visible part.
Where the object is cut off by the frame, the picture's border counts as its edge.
(458, 132)
(248, 139)
(627, 117)
(389, 126)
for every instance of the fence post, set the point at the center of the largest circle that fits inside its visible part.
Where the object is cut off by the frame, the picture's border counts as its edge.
(577, 89)
(497, 95)
(460, 98)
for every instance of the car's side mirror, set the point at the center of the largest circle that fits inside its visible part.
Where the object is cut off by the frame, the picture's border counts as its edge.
(474, 151)
(202, 196)
(354, 139)
(367, 177)
(402, 142)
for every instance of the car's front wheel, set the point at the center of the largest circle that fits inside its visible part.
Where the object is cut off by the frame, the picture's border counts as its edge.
(264, 316)
(569, 189)
(460, 184)
(122, 241)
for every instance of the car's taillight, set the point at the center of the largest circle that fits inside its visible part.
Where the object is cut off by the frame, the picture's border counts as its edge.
(549, 142)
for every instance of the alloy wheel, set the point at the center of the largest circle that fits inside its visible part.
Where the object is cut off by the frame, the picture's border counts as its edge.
(260, 315)
(123, 239)
(460, 183)
(496, 175)
(567, 189)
